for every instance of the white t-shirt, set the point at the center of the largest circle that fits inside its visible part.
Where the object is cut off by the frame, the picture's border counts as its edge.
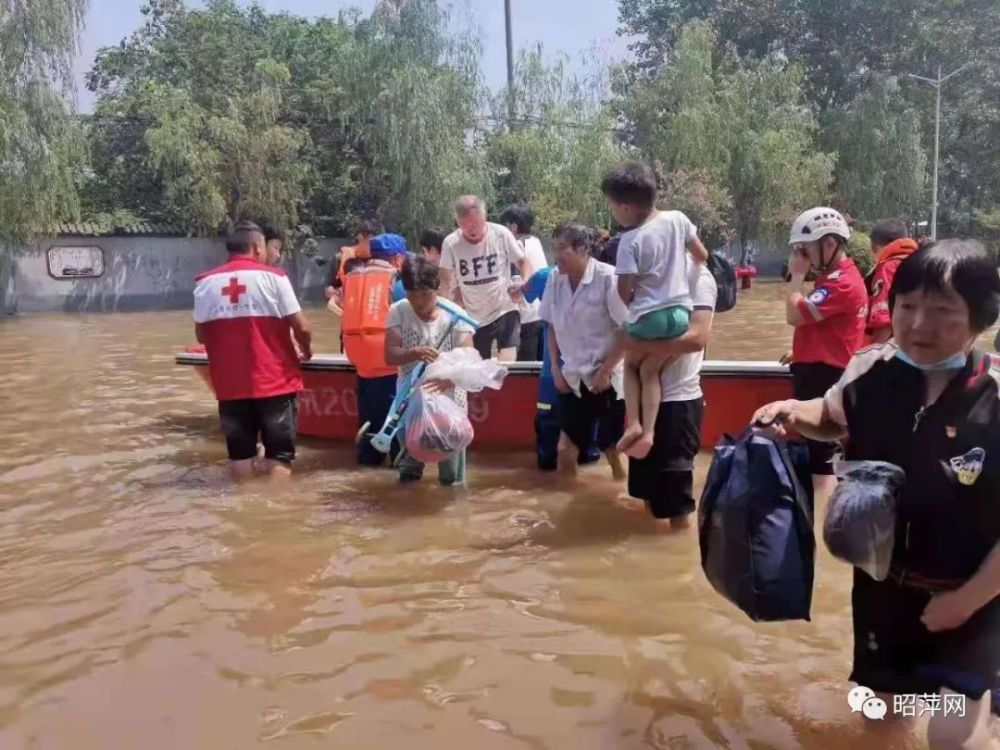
(535, 254)
(417, 332)
(585, 321)
(482, 271)
(657, 254)
(681, 378)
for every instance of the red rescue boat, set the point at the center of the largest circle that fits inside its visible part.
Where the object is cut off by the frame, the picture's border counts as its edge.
(328, 406)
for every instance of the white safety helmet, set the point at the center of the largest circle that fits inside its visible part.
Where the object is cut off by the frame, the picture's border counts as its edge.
(816, 223)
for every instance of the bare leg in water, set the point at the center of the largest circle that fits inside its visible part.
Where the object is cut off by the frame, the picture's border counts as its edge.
(617, 465)
(242, 471)
(633, 409)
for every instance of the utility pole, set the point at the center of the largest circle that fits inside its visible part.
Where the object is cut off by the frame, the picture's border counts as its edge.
(511, 109)
(937, 83)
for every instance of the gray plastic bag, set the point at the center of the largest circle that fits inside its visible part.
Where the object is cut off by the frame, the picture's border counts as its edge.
(860, 525)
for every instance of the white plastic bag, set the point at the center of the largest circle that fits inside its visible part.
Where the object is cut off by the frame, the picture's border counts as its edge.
(436, 427)
(860, 525)
(467, 370)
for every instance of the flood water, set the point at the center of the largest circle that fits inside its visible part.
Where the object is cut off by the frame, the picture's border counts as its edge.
(147, 603)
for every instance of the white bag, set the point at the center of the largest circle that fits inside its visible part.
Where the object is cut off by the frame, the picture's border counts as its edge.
(467, 370)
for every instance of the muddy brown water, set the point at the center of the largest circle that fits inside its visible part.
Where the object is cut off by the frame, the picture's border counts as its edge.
(147, 603)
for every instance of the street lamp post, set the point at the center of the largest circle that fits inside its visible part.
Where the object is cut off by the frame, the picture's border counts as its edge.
(511, 109)
(937, 83)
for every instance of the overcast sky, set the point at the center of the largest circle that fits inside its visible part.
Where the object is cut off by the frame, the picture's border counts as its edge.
(575, 27)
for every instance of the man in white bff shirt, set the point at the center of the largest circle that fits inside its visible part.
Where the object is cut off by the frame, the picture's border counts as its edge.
(476, 262)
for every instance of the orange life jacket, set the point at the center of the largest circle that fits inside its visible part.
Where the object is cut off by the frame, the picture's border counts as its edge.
(361, 251)
(367, 297)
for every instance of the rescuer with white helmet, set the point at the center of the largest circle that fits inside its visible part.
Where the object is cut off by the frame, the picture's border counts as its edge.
(829, 319)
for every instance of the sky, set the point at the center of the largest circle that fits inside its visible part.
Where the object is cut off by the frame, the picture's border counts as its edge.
(575, 27)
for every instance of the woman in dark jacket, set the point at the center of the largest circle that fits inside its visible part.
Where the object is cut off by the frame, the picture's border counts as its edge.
(928, 402)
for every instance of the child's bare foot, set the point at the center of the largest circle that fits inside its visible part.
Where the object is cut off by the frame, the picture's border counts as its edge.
(641, 447)
(632, 433)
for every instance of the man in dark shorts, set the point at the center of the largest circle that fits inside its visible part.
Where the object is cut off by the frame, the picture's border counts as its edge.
(585, 314)
(829, 321)
(246, 315)
(664, 480)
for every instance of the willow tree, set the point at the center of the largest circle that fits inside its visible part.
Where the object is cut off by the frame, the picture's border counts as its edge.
(40, 153)
(562, 139)
(740, 127)
(215, 126)
(882, 161)
(412, 94)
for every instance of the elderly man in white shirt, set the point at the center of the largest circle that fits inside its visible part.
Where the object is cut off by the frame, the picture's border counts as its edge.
(476, 263)
(585, 315)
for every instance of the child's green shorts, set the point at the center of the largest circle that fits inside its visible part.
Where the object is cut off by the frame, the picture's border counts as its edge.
(668, 323)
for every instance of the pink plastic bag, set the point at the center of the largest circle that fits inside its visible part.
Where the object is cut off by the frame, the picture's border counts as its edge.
(437, 428)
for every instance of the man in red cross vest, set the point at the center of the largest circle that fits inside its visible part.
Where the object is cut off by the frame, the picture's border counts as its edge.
(246, 315)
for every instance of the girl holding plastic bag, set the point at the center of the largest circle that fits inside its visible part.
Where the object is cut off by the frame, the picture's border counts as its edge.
(926, 407)
(417, 331)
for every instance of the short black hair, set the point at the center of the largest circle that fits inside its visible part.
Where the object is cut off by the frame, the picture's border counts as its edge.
(351, 263)
(370, 227)
(886, 232)
(433, 237)
(419, 274)
(633, 183)
(274, 233)
(963, 265)
(575, 235)
(520, 216)
(242, 237)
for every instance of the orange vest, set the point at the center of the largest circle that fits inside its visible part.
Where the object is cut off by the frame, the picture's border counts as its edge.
(361, 251)
(367, 297)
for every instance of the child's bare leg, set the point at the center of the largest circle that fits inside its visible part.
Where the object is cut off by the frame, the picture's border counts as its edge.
(649, 374)
(633, 392)
(617, 465)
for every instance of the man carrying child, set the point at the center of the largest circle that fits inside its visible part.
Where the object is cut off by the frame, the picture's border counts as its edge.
(653, 280)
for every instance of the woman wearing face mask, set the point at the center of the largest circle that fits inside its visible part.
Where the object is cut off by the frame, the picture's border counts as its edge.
(929, 402)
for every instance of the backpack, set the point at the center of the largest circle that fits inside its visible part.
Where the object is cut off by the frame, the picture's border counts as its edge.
(755, 527)
(725, 279)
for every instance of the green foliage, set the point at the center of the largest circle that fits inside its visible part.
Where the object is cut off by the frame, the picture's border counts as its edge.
(849, 53)
(41, 151)
(740, 127)
(882, 165)
(561, 143)
(291, 121)
(860, 250)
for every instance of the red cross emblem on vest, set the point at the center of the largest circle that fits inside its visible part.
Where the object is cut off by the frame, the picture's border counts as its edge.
(234, 290)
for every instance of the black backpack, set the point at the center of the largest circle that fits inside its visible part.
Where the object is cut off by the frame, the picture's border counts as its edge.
(725, 280)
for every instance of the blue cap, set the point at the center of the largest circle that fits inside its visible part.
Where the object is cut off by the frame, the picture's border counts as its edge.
(388, 244)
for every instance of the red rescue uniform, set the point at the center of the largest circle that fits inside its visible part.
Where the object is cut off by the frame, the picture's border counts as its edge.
(834, 315)
(880, 283)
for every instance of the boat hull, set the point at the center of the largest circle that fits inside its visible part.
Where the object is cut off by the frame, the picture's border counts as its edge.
(505, 419)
